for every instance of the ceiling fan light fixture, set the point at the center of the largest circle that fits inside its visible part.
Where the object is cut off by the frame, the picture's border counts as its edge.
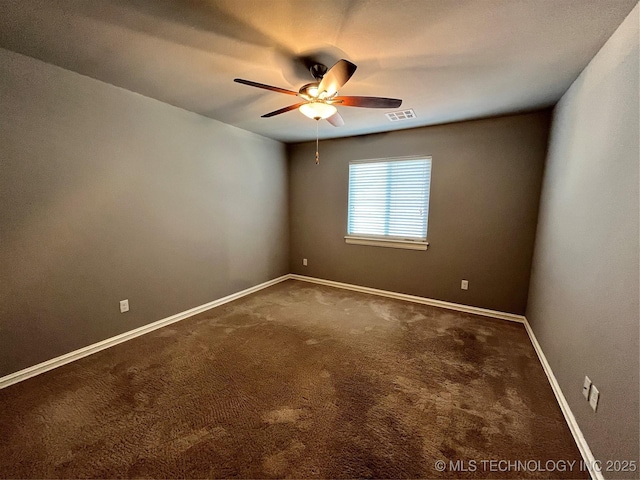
(317, 110)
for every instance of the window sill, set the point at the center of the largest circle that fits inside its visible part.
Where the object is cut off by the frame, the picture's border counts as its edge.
(384, 242)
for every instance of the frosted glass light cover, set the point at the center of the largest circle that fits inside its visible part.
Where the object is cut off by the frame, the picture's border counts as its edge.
(317, 110)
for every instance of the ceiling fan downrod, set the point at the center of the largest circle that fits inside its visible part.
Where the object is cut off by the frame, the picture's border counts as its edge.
(318, 71)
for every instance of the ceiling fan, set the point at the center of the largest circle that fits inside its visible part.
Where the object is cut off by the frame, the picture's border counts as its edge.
(321, 97)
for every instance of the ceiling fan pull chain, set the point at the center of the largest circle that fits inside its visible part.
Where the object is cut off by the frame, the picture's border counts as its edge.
(317, 153)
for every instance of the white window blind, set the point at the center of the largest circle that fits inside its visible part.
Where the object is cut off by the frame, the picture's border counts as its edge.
(389, 198)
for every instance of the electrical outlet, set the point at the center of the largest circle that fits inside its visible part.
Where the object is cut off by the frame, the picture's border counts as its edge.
(594, 396)
(124, 306)
(464, 285)
(304, 262)
(586, 388)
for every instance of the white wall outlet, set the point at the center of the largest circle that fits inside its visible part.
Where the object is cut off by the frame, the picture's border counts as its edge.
(124, 306)
(594, 396)
(304, 262)
(464, 285)
(586, 388)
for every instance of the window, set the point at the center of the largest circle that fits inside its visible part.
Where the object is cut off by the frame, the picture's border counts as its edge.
(389, 202)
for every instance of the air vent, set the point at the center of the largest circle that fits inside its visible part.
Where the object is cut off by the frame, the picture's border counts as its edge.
(401, 115)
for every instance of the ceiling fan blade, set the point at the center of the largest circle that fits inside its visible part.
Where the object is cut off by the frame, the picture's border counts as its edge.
(368, 102)
(266, 87)
(283, 110)
(336, 120)
(336, 77)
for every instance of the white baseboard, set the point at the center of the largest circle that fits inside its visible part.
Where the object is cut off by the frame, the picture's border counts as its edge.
(512, 317)
(581, 442)
(29, 372)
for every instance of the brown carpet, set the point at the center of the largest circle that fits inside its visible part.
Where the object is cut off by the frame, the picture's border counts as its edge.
(297, 380)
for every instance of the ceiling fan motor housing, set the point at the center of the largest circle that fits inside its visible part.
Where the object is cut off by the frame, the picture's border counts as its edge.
(310, 89)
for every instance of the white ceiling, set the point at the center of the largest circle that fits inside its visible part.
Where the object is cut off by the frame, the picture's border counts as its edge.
(448, 60)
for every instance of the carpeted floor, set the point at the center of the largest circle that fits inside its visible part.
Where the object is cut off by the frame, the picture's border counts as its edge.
(297, 380)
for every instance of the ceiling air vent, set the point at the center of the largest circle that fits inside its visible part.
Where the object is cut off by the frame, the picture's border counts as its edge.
(401, 115)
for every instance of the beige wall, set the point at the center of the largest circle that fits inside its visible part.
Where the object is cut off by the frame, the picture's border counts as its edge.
(486, 179)
(106, 195)
(583, 304)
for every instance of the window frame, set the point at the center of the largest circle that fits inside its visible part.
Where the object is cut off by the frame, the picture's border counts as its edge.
(389, 240)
